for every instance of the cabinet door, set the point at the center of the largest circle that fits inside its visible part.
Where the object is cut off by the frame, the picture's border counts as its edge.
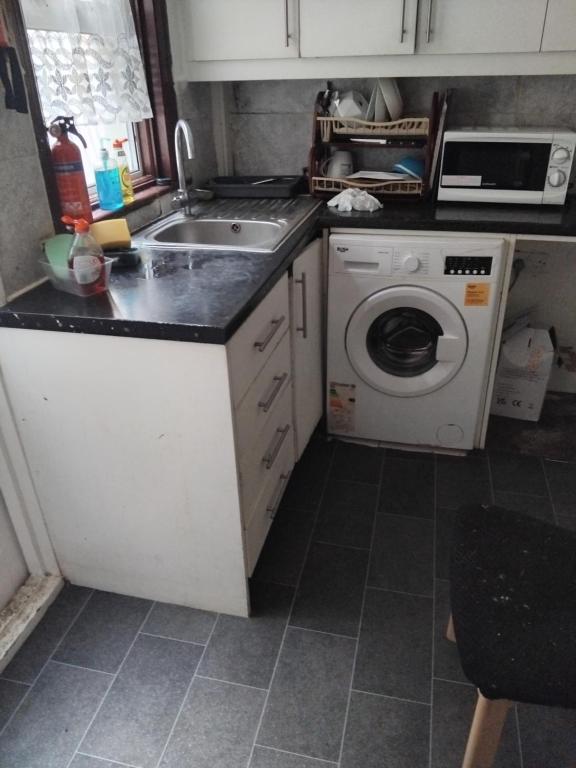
(480, 26)
(307, 342)
(359, 28)
(560, 27)
(220, 30)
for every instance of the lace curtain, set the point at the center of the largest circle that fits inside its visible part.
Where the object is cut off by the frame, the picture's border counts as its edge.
(87, 60)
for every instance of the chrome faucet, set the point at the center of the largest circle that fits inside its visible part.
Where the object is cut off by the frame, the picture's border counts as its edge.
(181, 197)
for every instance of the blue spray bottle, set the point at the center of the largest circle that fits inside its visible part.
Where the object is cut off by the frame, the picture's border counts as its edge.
(108, 183)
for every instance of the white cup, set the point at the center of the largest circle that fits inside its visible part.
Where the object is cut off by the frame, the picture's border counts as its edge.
(339, 165)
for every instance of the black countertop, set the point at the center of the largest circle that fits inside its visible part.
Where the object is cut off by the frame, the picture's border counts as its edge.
(201, 296)
(550, 221)
(205, 296)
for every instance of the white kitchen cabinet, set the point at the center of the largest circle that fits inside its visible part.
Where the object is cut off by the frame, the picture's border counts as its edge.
(307, 342)
(219, 30)
(360, 28)
(480, 26)
(560, 26)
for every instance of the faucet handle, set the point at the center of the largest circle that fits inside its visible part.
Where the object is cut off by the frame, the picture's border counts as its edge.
(180, 198)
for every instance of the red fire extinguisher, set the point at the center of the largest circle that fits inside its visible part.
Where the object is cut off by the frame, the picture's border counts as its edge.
(70, 179)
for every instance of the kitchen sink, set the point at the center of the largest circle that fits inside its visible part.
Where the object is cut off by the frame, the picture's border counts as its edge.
(225, 233)
(259, 226)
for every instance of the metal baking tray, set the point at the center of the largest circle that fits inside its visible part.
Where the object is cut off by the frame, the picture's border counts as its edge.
(257, 186)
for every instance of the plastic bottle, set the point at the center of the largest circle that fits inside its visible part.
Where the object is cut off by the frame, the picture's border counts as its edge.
(124, 169)
(67, 161)
(108, 181)
(86, 258)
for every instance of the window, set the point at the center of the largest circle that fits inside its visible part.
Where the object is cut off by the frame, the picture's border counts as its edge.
(148, 149)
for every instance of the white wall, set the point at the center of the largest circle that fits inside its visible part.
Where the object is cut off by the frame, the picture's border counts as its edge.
(13, 571)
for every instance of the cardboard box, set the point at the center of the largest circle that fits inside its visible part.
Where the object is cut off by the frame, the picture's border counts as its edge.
(522, 376)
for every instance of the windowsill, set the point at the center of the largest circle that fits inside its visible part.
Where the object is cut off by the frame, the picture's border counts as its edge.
(142, 198)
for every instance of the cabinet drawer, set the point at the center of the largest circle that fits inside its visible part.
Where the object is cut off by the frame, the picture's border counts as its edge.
(256, 339)
(261, 401)
(260, 462)
(267, 505)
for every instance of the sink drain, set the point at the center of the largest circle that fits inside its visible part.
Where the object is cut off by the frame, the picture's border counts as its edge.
(236, 228)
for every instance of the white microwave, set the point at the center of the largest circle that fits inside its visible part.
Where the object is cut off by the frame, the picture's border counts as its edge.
(484, 165)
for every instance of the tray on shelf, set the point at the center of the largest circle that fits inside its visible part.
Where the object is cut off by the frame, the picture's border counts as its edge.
(348, 126)
(320, 184)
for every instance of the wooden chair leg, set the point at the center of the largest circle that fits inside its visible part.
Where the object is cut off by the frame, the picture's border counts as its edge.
(450, 630)
(484, 737)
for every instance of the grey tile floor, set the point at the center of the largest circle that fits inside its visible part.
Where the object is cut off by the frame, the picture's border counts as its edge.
(343, 664)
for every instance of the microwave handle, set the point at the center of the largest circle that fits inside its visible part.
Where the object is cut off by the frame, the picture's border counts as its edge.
(429, 21)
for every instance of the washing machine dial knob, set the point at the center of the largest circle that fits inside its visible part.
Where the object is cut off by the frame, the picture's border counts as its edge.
(410, 263)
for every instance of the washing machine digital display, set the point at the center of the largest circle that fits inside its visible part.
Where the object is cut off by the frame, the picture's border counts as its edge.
(403, 341)
(468, 265)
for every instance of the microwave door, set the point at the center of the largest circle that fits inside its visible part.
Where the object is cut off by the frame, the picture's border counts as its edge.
(495, 165)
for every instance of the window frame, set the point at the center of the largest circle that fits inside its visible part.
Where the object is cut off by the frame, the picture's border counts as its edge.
(154, 135)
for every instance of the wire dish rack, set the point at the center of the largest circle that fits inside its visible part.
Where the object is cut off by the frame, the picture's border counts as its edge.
(348, 126)
(321, 184)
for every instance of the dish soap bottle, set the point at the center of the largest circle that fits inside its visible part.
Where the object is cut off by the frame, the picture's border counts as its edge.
(86, 258)
(108, 181)
(125, 180)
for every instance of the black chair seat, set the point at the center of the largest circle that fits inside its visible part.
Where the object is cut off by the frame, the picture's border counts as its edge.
(513, 596)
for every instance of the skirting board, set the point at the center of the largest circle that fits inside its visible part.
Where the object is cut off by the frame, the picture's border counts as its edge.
(24, 612)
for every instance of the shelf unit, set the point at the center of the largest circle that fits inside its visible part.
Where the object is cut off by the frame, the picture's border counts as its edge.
(347, 133)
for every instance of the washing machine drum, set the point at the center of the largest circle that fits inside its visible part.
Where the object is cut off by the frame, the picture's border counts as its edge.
(406, 341)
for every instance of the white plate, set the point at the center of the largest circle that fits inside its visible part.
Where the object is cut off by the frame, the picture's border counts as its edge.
(380, 111)
(391, 96)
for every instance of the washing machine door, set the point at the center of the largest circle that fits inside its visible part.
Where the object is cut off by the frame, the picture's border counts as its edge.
(406, 340)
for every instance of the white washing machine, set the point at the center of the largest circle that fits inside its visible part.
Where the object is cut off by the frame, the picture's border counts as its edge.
(411, 329)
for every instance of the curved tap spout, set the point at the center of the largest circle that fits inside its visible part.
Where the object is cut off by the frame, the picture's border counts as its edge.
(181, 198)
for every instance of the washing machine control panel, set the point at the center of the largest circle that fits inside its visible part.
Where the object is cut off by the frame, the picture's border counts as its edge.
(468, 265)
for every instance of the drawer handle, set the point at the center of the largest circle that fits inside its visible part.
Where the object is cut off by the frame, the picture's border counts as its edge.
(429, 22)
(277, 497)
(276, 323)
(278, 382)
(272, 454)
(303, 329)
(402, 21)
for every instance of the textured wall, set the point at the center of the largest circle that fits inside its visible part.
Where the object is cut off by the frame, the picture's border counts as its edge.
(24, 213)
(194, 105)
(13, 571)
(272, 120)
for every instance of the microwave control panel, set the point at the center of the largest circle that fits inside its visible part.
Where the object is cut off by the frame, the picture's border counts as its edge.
(468, 265)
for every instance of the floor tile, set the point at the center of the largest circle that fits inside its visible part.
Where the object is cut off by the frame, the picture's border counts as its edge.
(444, 527)
(408, 486)
(446, 659)
(562, 480)
(347, 514)
(357, 463)
(10, 696)
(535, 506)
(307, 481)
(264, 757)
(283, 554)
(136, 717)
(517, 474)
(38, 648)
(48, 726)
(245, 650)
(451, 719)
(83, 761)
(180, 623)
(395, 648)
(547, 736)
(568, 522)
(216, 727)
(309, 695)
(402, 554)
(386, 732)
(329, 598)
(462, 480)
(104, 631)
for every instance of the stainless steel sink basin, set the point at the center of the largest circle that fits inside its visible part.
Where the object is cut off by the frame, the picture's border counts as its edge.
(232, 225)
(226, 233)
